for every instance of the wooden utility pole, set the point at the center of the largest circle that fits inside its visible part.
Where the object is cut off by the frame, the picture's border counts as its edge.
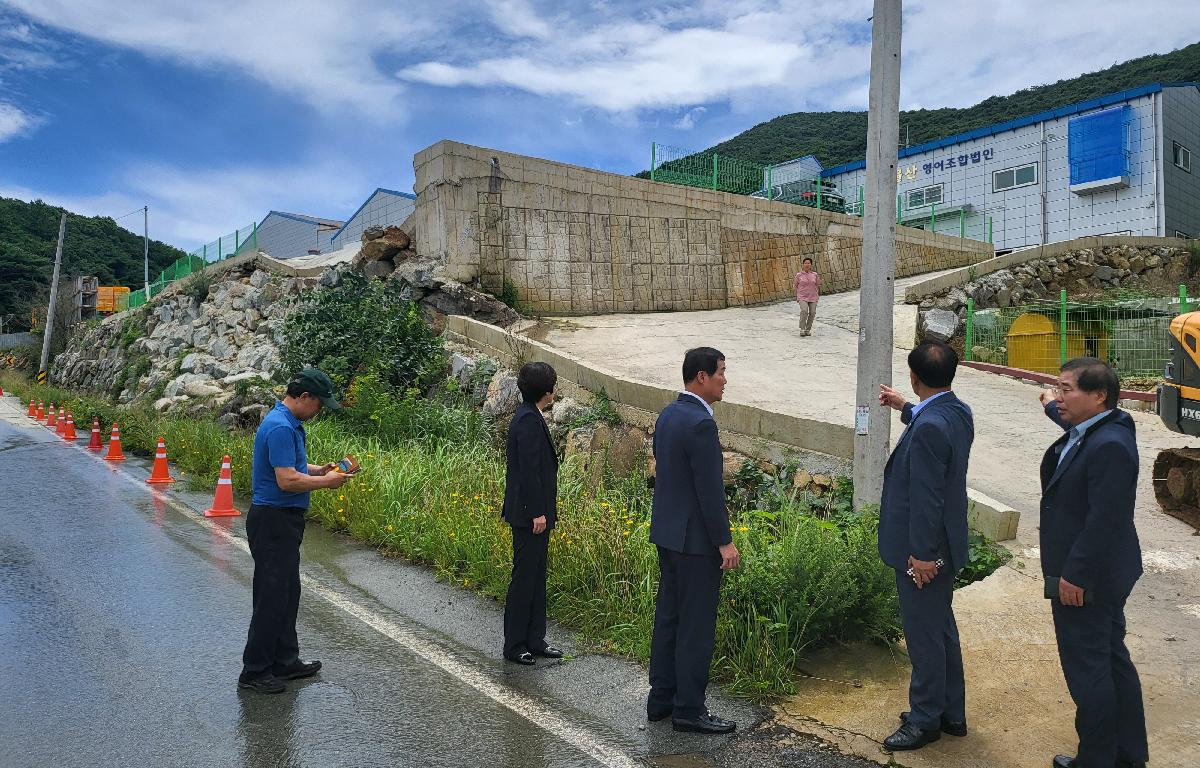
(48, 333)
(872, 422)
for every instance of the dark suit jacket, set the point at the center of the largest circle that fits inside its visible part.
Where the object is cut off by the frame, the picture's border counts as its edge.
(1087, 532)
(688, 515)
(531, 485)
(924, 508)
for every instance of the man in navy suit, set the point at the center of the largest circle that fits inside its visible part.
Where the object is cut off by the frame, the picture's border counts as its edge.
(923, 537)
(690, 527)
(1091, 559)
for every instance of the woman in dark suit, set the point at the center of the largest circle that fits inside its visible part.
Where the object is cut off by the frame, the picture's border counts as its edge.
(530, 501)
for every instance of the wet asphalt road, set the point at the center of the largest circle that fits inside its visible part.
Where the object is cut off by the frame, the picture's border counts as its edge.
(122, 618)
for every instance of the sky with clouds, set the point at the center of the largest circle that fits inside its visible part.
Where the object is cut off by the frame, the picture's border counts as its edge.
(213, 113)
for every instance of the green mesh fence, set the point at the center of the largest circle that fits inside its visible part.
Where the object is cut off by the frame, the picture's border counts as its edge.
(1132, 335)
(223, 247)
(708, 170)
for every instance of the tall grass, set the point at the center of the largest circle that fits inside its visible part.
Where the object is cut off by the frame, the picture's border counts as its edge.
(804, 581)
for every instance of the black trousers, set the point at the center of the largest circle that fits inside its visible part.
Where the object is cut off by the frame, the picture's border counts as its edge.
(937, 688)
(274, 534)
(685, 631)
(525, 606)
(1104, 684)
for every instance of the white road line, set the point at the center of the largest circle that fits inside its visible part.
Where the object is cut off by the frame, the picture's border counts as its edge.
(582, 739)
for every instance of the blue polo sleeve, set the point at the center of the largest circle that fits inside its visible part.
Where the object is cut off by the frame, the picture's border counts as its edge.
(281, 448)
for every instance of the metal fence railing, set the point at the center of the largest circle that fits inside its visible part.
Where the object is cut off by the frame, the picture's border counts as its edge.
(223, 247)
(1131, 334)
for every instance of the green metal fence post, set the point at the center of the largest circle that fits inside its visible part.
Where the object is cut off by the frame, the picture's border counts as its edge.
(819, 193)
(933, 217)
(206, 252)
(1183, 299)
(770, 183)
(255, 235)
(652, 160)
(236, 245)
(970, 328)
(714, 182)
(962, 224)
(897, 209)
(860, 200)
(219, 254)
(1062, 326)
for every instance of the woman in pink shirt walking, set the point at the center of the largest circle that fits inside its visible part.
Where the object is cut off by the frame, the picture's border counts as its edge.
(807, 285)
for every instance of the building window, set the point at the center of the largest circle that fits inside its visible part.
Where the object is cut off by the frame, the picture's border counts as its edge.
(1182, 156)
(1011, 178)
(925, 196)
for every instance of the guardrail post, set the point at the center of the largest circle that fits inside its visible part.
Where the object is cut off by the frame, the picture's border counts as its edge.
(970, 341)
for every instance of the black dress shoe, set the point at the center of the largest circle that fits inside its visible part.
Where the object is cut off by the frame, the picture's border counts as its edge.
(297, 670)
(1063, 761)
(705, 723)
(549, 652)
(525, 658)
(267, 683)
(909, 736)
(949, 727)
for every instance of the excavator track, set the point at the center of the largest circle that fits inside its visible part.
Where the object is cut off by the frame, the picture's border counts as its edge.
(1177, 484)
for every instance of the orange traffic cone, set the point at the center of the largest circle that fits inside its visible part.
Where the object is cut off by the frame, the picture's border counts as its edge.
(51, 421)
(114, 445)
(161, 473)
(32, 412)
(223, 498)
(41, 411)
(69, 432)
(95, 443)
(60, 426)
(1, 391)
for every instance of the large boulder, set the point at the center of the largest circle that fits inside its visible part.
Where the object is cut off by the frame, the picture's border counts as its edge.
(620, 449)
(503, 397)
(938, 325)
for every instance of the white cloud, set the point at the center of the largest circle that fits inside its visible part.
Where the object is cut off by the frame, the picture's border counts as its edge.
(14, 122)
(320, 52)
(688, 121)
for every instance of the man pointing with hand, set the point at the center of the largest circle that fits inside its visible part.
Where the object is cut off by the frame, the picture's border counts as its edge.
(690, 527)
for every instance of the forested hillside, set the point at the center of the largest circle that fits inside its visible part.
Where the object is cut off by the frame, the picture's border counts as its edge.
(94, 245)
(841, 137)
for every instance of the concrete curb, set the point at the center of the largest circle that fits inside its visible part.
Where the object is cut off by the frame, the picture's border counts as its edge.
(1134, 395)
(756, 432)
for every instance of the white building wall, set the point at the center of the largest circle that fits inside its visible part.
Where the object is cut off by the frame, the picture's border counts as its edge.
(1016, 214)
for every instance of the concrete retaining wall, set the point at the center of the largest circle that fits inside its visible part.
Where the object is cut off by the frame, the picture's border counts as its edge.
(578, 241)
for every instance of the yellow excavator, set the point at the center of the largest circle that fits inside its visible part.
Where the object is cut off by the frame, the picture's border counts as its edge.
(1177, 470)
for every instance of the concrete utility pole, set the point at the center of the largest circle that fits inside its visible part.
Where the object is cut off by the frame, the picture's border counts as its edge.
(146, 247)
(872, 422)
(49, 332)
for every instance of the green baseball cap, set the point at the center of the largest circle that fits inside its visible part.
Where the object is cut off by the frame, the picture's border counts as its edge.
(316, 383)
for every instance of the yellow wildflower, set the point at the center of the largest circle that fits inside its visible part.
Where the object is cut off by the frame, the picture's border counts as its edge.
(340, 511)
(743, 529)
(390, 528)
(625, 534)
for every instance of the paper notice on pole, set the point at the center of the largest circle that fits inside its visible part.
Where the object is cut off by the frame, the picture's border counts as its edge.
(862, 414)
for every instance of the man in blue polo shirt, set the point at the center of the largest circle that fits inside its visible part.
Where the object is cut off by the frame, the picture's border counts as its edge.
(282, 479)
